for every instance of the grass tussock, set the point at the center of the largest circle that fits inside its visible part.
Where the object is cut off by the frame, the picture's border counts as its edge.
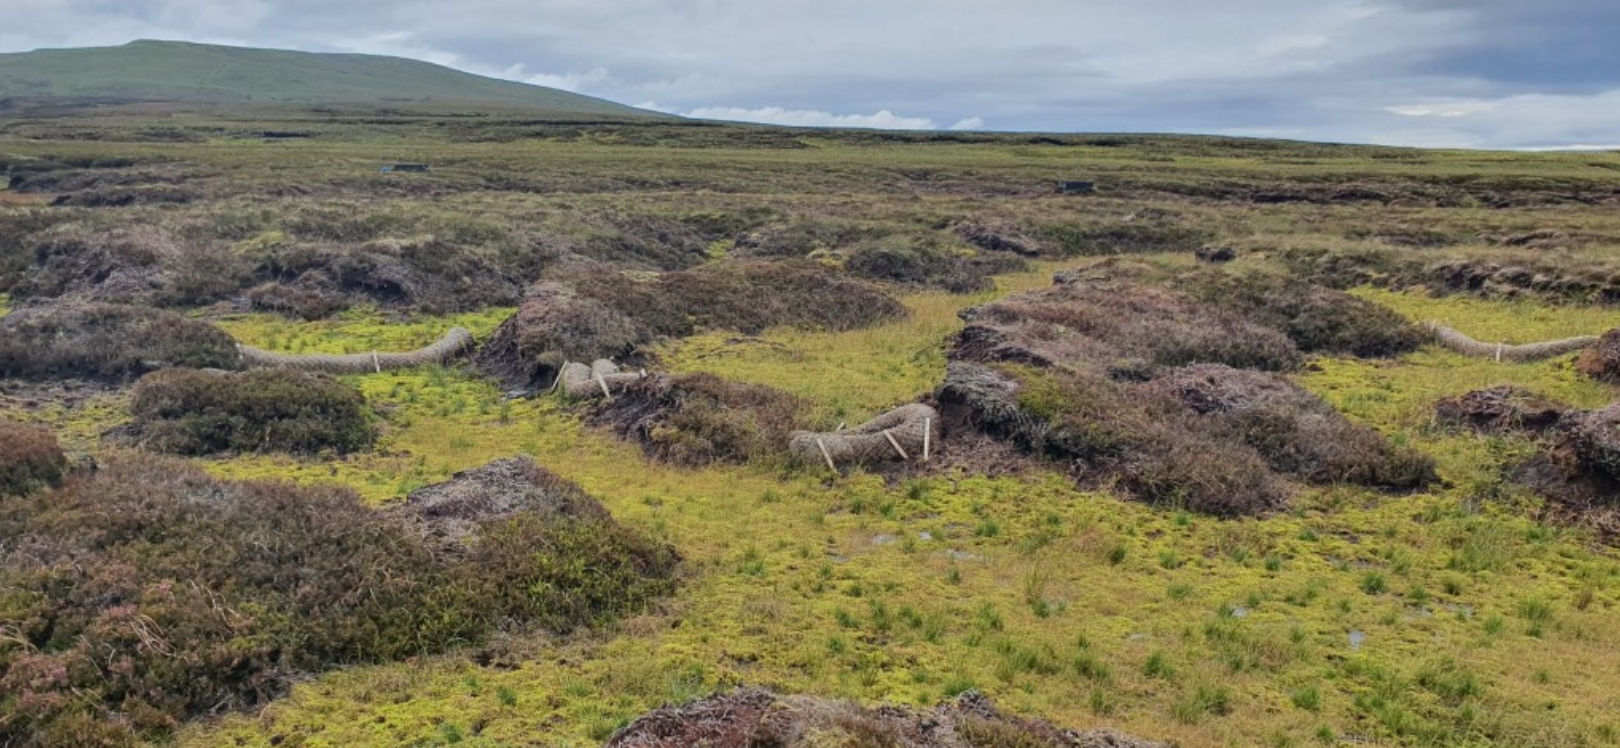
(30, 459)
(151, 592)
(192, 412)
(107, 342)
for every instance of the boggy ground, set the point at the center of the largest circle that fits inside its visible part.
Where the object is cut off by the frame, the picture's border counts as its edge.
(1452, 616)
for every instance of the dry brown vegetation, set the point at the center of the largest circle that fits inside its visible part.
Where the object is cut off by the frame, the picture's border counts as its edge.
(30, 459)
(753, 718)
(698, 419)
(151, 592)
(594, 314)
(107, 343)
(1175, 398)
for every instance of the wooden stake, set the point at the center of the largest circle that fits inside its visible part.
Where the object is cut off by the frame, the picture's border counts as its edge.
(826, 455)
(927, 432)
(1499, 347)
(557, 380)
(895, 444)
(375, 362)
(603, 382)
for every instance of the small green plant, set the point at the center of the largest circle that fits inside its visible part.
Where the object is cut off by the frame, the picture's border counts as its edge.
(1203, 700)
(1158, 666)
(1494, 624)
(1088, 665)
(1373, 583)
(1100, 702)
(1308, 698)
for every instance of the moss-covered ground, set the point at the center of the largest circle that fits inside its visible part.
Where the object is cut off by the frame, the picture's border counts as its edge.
(1449, 618)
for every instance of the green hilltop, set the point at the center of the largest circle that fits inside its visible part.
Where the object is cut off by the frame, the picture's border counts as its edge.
(186, 73)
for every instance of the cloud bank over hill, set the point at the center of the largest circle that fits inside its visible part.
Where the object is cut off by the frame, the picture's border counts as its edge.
(1466, 73)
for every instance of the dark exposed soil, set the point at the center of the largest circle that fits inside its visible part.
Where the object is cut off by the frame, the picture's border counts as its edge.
(1577, 466)
(753, 718)
(1498, 409)
(1601, 360)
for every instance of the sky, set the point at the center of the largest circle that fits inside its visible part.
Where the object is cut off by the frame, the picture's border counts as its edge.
(1438, 73)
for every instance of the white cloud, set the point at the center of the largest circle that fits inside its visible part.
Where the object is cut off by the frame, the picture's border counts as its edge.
(774, 115)
(577, 82)
(1443, 109)
(971, 123)
(1281, 45)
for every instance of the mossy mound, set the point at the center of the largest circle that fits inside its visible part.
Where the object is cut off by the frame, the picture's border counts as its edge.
(150, 592)
(195, 412)
(108, 343)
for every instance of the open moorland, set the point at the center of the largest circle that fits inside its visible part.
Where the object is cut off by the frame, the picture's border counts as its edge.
(1250, 444)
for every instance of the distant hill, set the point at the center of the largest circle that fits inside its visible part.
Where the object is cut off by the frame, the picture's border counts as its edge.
(183, 72)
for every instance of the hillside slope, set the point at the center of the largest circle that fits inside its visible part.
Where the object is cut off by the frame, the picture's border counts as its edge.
(208, 74)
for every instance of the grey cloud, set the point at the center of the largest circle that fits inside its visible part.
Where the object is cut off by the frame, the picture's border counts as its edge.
(1454, 72)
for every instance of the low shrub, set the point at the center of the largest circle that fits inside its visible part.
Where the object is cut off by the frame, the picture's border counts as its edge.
(554, 324)
(1159, 452)
(1293, 430)
(697, 419)
(802, 238)
(931, 266)
(151, 592)
(107, 342)
(755, 718)
(1317, 319)
(132, 264)
(1555, 277)
(1124, 236)
(748, 297)
(1171, 398)
(1103, 323)
(591, 314)
(192, 412)
(30, 459)
(424, 273)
